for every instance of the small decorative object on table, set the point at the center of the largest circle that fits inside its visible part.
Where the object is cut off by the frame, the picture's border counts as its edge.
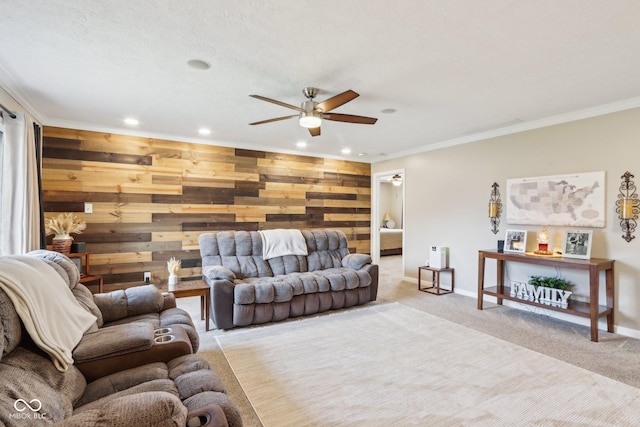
(543, 290)
(515, 241)
(577, 244)
(173, 265)
(61, 226)
(543, 243)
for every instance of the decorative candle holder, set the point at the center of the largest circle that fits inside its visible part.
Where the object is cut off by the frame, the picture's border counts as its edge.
(628, 206)
(495, 207)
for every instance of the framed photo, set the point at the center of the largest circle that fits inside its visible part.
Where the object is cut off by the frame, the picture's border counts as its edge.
(577, 244)
(515, 241)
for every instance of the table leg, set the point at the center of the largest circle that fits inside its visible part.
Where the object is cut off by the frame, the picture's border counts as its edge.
(480, 279)
(419, 277)
(202, 303)
(500, 279)
(593, 302)
(453, 279)
(207, 307)
(610, 300)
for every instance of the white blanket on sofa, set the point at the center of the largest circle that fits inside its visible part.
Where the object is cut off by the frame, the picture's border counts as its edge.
(282, 242)
(50, 313)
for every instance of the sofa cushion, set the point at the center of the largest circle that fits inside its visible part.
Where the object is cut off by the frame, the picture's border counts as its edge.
(10, 326)
(129, 302)
(63, 265)
(28, 376)
(283, 288)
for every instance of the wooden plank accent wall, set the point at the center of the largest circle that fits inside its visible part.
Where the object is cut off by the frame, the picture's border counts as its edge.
(153, 198)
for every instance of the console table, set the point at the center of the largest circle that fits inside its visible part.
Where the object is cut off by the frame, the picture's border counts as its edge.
(591, 310)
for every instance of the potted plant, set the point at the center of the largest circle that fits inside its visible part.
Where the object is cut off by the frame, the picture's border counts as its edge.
(549, 282)
(61, 227)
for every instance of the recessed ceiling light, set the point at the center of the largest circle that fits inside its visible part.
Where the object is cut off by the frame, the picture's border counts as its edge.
(198, 64)
(204, 131)
(301, 144)
(131, 121)
(388, 110)
(346, 151)
(362, 154)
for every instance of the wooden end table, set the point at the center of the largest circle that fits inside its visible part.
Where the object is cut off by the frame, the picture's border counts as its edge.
(194, 288)
(435, 280)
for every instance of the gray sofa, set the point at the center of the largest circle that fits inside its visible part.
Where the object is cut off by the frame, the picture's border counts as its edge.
(246, 289)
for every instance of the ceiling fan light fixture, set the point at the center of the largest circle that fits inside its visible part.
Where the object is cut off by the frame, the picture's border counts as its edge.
(309, 120)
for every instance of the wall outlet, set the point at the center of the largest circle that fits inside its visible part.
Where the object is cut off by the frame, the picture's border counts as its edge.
(88, 208)
(147, 276)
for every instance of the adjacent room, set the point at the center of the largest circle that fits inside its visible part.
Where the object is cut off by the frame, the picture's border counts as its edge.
(295, 213)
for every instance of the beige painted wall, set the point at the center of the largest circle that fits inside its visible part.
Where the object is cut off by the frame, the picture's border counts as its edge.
(447, 192)
(391, 202)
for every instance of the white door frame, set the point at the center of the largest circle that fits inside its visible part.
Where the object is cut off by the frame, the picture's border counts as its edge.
(375, 215)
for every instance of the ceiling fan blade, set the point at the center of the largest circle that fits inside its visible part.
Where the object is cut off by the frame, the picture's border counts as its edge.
(349, 118)
(336, 101)
(273, 120)
(314, 131)
(273, 101)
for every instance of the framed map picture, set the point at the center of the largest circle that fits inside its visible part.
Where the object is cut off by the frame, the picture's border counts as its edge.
(562, 200)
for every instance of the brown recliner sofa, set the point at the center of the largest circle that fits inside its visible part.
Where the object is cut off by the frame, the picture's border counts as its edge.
(35, 391)
(128, 324)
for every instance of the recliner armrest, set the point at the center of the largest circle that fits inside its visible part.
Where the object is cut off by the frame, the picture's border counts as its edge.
(114, 340)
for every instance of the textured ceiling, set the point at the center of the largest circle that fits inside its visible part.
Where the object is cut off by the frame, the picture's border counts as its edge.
(451, 69)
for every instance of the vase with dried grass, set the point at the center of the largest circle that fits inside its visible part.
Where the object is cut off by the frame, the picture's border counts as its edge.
(173, 266)
(61, 227)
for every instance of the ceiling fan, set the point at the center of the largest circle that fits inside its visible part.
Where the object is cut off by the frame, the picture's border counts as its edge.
(311, 113)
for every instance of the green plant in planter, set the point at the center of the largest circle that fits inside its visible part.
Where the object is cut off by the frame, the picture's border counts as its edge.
(549, 282)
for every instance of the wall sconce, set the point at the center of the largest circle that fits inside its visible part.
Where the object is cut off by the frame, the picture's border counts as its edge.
(628, 206)
(495, 207)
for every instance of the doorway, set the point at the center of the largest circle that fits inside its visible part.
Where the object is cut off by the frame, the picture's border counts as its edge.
(388, 215)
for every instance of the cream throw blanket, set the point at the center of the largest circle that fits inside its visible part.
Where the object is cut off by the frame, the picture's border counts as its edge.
(49, 311)
(282, 242)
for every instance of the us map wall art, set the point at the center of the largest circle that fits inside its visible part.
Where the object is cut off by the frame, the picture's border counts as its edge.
(562, 200)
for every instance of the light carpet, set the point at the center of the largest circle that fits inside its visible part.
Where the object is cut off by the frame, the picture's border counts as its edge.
(389, 364)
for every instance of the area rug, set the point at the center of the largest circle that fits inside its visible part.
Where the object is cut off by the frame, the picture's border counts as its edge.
(391, 365)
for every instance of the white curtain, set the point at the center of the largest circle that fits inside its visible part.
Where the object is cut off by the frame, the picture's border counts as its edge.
(19, 201)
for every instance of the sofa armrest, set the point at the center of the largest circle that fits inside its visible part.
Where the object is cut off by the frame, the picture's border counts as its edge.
(221, 302)
(356, 261)
(218, 272)
(373, 271)
(209, 416)
(114, 340)
(169, 301)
